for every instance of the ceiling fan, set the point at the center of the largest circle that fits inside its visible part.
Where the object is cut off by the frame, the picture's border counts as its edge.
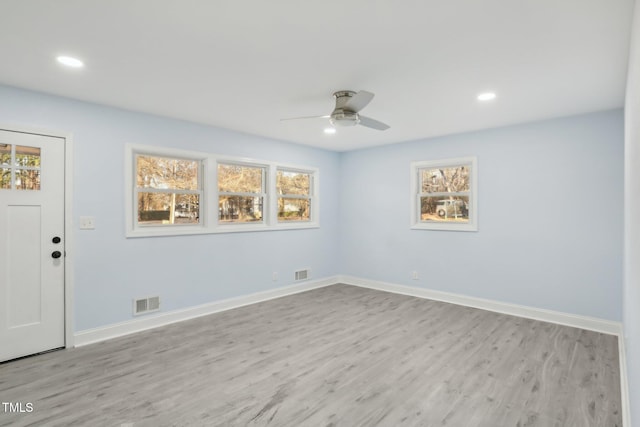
(347, 110)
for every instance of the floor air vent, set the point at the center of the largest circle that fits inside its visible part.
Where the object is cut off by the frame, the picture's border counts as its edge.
(302, 275)
(145, 305)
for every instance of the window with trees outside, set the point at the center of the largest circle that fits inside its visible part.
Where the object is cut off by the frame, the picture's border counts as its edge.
(168, 190)
(241, 193)
(294, 195)
(177, 192)
(444, 194)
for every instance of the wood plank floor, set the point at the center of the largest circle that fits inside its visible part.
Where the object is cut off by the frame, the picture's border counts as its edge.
(335, 356)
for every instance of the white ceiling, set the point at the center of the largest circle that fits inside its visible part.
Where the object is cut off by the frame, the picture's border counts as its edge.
(245, 64)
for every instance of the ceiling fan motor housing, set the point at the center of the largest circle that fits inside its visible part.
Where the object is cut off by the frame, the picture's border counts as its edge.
(342, 116)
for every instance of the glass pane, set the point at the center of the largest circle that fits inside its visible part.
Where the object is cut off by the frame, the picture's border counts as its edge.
(5, 178)
(445, 180)
(239, 209)
(5, 154)
(292, 183)
(168, 208)
(27, 156)
(444, 208)
(239, 179)
(167, 173)
(28, 179)
(293, 209)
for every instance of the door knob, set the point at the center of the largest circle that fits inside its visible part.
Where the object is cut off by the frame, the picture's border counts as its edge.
(56, 240)
(56, 254)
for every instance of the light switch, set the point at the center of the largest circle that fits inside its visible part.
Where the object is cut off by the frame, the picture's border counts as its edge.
(87, 223)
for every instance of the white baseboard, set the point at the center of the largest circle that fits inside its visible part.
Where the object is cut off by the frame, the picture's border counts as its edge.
(624, 384)
(91, 336)
(573, 320)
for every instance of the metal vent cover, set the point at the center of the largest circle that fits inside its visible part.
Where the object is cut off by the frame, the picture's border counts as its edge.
(302, 275)
(146, 305)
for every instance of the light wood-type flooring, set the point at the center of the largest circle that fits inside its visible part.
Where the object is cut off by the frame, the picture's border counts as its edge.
(334, 356)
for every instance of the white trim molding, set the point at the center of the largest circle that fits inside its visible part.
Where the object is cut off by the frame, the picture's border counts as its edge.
(566, 319)
(139, 324)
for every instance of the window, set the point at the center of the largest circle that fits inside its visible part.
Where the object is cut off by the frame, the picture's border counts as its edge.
(241, 193)
(444, 194)
(168, 190)
(19, 167)
(294, 195)
(177, 192)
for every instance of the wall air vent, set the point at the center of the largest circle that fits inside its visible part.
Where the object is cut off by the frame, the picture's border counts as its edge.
(145, 305)
(302, 275)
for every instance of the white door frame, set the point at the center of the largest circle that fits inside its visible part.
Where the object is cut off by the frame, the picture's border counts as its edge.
(68, 222)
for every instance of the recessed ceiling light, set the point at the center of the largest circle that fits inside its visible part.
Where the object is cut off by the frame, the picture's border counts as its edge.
(330, 130)
(486, 96)
(70, 61)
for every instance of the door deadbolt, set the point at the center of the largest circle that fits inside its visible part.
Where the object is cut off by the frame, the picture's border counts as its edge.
(56, 254)
(56, 240)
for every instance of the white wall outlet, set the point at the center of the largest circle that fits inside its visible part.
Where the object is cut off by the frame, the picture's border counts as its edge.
(274, 276)
(414, 275)
(87, 223)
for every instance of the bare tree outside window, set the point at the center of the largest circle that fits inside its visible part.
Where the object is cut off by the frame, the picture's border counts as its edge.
(445, 194)
(172, 192)
(241, 193)
(294, 195)
(168, 190)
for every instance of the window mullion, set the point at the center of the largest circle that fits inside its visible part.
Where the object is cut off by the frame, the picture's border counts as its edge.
(294, 196)
(240, 194)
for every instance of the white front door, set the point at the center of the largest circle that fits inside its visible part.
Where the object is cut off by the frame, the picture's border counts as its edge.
(31, 243)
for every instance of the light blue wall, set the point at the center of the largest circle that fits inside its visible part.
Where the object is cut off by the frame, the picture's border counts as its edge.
(550, 216)
(631, 295)
(187, 270)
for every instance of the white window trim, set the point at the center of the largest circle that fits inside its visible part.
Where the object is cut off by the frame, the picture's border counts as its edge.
(264, 194)
(209, 204)
(312, 197)
(416, 224)
(315, 200)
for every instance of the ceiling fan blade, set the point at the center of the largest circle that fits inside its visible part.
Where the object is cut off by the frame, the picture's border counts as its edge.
(371, 123)
(358, 101)
(305, 117)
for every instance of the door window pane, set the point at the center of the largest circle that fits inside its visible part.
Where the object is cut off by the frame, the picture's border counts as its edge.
(5, 154)
(27, 179)
(27, 156)
(5, 178)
